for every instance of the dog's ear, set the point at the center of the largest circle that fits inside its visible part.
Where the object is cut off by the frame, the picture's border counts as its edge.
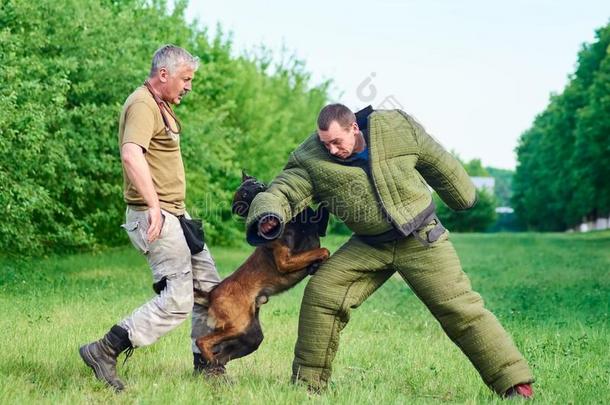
(245, 176)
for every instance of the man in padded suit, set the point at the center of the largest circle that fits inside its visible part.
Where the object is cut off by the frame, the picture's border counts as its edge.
(373, 169)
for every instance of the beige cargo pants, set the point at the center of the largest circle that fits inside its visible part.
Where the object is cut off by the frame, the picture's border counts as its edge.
(169, 256)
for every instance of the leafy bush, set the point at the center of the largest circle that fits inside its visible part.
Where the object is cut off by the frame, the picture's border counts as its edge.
(67, 68)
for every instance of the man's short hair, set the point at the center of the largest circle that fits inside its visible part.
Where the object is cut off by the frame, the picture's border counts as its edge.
(171, 57)
(335, 112)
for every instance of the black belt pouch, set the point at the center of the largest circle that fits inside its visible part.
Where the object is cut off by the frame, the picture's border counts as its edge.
(193, 233)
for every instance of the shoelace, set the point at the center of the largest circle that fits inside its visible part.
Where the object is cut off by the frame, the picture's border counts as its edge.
(128, 354)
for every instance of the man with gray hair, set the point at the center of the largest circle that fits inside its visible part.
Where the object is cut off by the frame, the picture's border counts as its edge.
(156, 218)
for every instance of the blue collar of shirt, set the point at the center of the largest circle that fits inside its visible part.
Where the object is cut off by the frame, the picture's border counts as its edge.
(364, 155)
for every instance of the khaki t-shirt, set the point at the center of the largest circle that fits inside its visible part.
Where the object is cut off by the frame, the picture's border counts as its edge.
(141, 123)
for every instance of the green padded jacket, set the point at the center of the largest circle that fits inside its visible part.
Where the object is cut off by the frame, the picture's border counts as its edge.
(389, 191)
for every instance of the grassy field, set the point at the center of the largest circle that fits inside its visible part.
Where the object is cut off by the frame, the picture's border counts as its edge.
(551, 292)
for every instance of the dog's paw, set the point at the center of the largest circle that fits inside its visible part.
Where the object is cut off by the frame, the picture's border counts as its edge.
(313, 267)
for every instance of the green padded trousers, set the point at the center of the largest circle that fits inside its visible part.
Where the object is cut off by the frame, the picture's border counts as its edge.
(435, 275)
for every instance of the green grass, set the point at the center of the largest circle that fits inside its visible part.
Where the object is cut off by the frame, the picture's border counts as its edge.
(550, 291)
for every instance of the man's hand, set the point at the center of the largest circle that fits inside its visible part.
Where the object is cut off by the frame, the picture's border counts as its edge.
(155, 223)
(268, 224)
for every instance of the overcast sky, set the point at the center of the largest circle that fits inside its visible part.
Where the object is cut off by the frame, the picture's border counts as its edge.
(474, 73)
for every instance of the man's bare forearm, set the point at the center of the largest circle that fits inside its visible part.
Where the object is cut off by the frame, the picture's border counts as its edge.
(138, 173)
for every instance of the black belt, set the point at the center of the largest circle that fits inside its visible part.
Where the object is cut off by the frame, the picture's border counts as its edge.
(394, 235)
(137, 204)
(388, 236)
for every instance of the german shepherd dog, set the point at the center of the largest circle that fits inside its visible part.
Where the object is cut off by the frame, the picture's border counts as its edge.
(271, 269)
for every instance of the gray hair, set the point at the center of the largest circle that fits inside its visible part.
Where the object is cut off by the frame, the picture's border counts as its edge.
(171, 57)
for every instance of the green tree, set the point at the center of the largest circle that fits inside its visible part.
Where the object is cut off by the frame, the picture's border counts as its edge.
(475, 168)
(67, 68)
(592, 145)
(561, 172)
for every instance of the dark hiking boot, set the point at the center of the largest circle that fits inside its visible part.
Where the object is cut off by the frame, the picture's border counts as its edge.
(101, 355)
(203, 367)
(520, 391)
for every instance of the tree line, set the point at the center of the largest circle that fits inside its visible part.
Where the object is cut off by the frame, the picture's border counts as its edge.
(67, 67)
(563, 170)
